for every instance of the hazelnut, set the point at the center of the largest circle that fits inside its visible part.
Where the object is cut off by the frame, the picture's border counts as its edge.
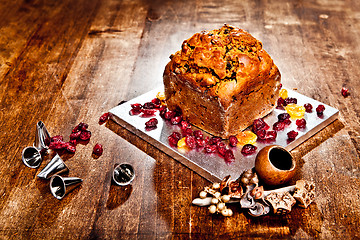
(212, 209)
(225, 198)
(216, 186)
(214, 201)
(203, 194)
(221, 206)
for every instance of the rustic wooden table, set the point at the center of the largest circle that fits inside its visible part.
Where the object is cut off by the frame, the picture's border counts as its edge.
(65, 62)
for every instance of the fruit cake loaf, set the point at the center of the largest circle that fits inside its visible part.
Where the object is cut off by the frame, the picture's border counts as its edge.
(222, 80)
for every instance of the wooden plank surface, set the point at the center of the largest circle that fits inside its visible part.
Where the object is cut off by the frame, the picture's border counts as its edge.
(65, 62)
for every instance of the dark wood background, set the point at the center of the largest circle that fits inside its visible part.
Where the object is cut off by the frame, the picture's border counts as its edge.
(64, 62)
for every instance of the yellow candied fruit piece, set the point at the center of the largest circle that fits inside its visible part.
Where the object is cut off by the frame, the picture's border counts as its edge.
(160, 96)
(295, 111)
(181, 143)
(246, 137)
(283, 93)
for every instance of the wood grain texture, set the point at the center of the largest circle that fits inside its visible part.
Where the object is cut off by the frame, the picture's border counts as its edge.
(65, 62)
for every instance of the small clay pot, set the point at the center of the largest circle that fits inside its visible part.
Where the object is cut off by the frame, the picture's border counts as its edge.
(275, 165)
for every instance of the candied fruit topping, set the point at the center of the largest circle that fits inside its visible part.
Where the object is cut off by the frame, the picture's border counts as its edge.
(246, 137)
(283, 93)
(308, 107)
(160, 96)
(181, 143)
(248, 149)
(295, 110)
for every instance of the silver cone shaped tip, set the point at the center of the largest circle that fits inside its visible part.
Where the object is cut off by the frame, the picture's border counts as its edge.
(123, 174)
(42, 136)
(60, 186)
(55, 166)
(31, 157)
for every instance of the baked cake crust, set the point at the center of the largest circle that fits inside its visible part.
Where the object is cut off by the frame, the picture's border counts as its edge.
(222, 80)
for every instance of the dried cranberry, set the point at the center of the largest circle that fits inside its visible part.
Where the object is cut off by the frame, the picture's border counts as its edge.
(345, 92)
(85, 135)
(137, 106)
(301, 123)
(147, 113)
(220, 144)
(176, 120)
(98, 149)
(292, 134)
(248, 149)
(320, 109)
(210, 148)
(308, 107)
(290, 100)
(149, 105)
(82, 126)
(156, 102)
(229, 156)
(221, 150)
(59, 145)
(151, 124)
(73, 142)
(270, 136)
(173, 141)
(57, 138)
(198, 134)
(71, 148)
(260, 124)
(287, 122)
(283, 116)
(104, 118)
(133, 112)
(162, 110)
(176, 135)
(261, 134)
(190, 141)
(75, 135)
(187, 132)
(169, 115)
(184, 124)
(279, 126)
(233, 141)
(280, 103)
(200, 142)
(214, 140)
